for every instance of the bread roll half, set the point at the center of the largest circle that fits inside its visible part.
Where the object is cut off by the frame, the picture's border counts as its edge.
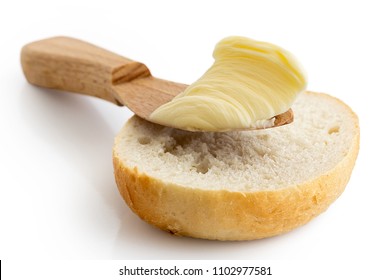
(238, 185)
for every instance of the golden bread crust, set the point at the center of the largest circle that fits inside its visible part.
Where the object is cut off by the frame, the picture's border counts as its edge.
(230, 215)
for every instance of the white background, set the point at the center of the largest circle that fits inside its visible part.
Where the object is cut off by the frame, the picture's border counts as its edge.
(58, 198)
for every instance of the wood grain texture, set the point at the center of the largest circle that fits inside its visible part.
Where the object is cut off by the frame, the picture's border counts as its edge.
(73, 65)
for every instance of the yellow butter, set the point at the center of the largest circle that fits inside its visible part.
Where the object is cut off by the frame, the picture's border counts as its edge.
(249, 83)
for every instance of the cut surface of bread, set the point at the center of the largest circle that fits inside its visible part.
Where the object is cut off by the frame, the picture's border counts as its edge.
(238, 185)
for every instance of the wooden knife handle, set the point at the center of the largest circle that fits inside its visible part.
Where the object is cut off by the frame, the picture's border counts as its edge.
(73, 65)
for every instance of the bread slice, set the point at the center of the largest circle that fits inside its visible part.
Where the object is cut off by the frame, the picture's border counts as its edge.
(238, 185)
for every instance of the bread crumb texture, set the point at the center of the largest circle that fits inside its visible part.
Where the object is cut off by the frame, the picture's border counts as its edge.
(238, 185)
(320, 136)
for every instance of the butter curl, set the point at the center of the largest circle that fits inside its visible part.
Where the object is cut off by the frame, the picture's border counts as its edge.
(249, 83)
